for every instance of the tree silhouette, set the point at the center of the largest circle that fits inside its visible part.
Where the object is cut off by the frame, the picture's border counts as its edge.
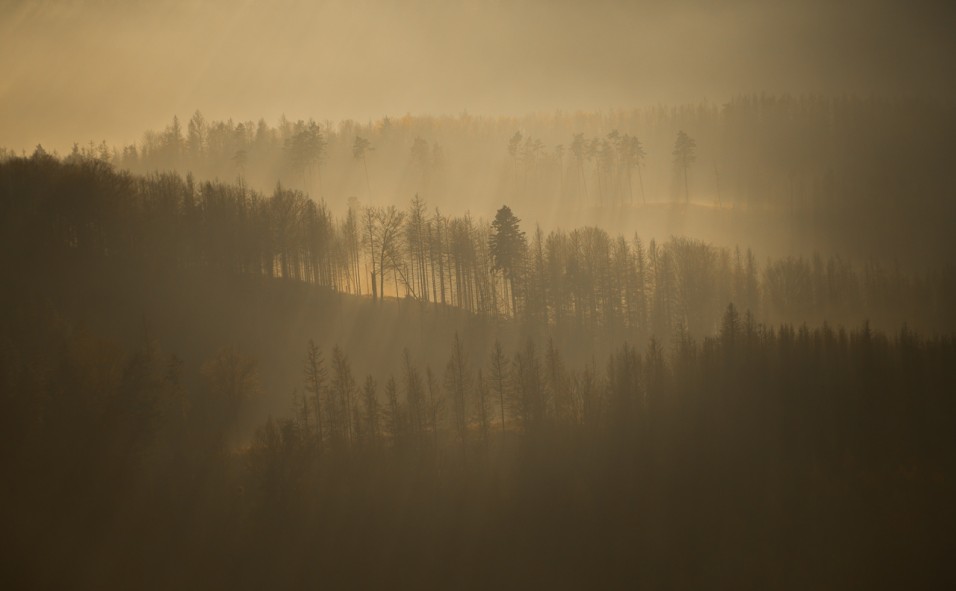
(458, 384)
(416, 241)
(342, 389)
(415, 400)
(684, 155)
(196, 136)
(382, 226)
(508, 245)
(305, 148)
(315, 376)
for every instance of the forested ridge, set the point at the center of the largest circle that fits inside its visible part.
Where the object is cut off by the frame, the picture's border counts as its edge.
(861, 176)
(65, 215)
(564, 408)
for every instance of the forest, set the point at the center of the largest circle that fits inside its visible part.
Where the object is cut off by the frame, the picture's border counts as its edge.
(187, 355)
(477, 295)
(801, 174)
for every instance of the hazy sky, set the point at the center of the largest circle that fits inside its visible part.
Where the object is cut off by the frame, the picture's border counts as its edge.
(109, 69)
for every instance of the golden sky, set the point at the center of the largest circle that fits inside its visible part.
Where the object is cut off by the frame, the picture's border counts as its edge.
(80, 70)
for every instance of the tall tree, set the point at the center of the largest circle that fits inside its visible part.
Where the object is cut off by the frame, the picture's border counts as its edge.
(457, 384)
(382, 226)
(196, 136)
(342, 389)
(315, 375)
(371, 240)
(508, 245)
(305, 148)
(685, 152)
(416, 242)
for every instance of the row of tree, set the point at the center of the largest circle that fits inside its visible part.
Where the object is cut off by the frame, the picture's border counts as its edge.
(60, 215)
(807, 153)
(757, 150)
(833, 174)
(774, 438)
(847, 386)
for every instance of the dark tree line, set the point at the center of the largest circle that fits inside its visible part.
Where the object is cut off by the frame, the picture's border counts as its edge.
(711, 460)
(60, 216)
(791, 381)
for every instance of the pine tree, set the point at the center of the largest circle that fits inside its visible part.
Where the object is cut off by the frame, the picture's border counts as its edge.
(508, 246)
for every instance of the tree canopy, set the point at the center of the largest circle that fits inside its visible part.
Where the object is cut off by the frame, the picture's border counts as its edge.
(507, 242)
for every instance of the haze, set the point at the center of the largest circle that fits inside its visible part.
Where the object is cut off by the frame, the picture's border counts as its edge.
(493, 294)
(106, 70)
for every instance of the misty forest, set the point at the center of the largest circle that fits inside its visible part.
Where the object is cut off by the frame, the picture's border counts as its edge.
(503, 318)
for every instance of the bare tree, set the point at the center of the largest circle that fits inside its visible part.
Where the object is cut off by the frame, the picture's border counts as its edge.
(382, 227)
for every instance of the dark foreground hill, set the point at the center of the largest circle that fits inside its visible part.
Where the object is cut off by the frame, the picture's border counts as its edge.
(761, 458)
